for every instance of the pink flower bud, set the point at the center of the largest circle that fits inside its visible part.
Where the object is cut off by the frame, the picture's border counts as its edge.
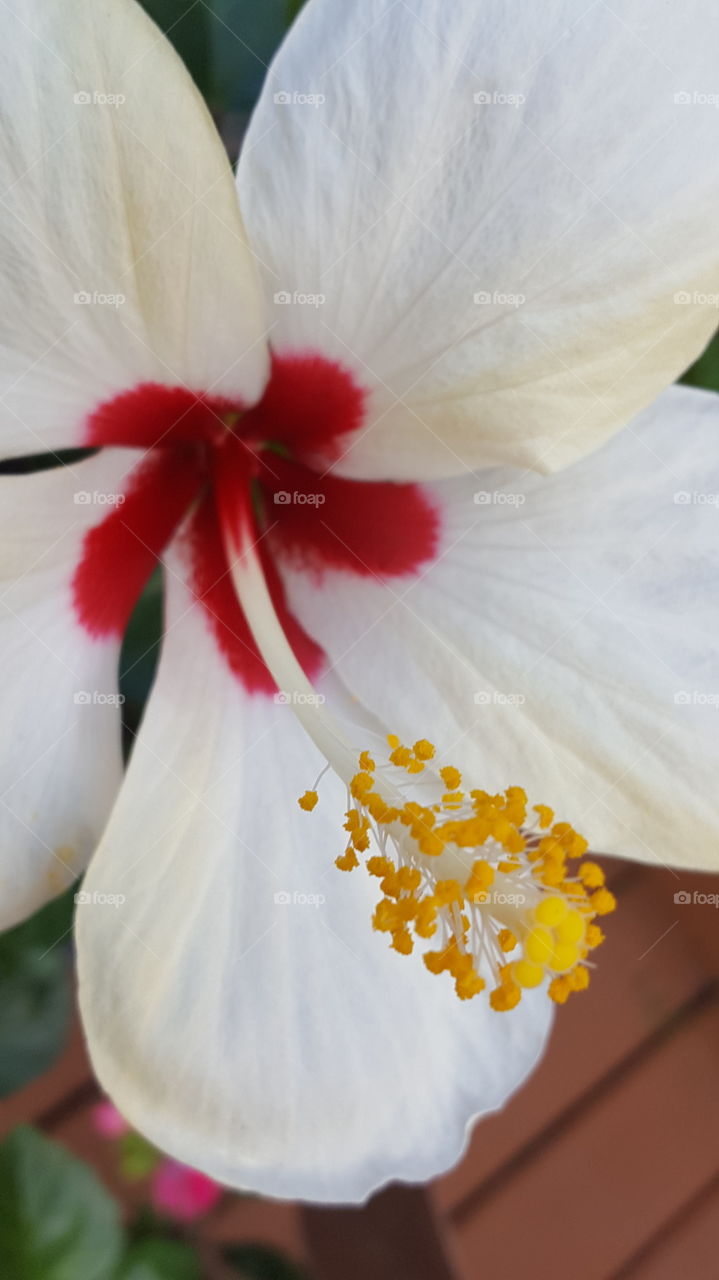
(107, 1121)
(183, 1193)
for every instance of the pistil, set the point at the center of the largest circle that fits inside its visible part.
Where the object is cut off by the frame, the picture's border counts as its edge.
(494, 888)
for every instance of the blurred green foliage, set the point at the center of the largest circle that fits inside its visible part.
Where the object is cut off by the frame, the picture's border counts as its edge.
(705, 373)
(227, 44)
(189, 27)
(257, 1263)
(158, 1259)
(56, 1220)
(35, 993)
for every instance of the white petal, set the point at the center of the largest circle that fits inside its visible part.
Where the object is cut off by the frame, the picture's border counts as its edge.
(424, 217)
(277, 1045)
(566, 640)
(113, 186)
(60, 760)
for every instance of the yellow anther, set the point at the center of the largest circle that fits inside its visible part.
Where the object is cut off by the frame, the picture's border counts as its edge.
(425, 920)
(506, 997)
(559, 990)
(591, 875)
(603, 902)
(526, 974)
(594, 937)
(469, 985)
(480, 880)
(502, 828)
(348, 860)
(308, 801)
(436, 961)
(506, 940)
(551, 911)
(409, 878)
(366, 762)
(378, 866)
(392, 740)
(453, 800)
(361, 784)
(401, 757)
(514, 842)
(379, 809)
(447, 891)
(402, 941)
(539, 945)
(579, 978)
(577, 846)
(545, 816)
(451, 777)
(385, 915)
(552, 875)
(431, 845)
(423, 749)
(391, 885)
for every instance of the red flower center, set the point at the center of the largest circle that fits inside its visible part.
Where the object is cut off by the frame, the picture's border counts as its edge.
(303, 514)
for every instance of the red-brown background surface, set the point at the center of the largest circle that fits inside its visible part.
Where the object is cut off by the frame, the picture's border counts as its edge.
(606, 1164)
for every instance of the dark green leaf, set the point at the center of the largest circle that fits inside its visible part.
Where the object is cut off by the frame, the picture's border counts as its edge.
(56, 1220)
(159, 1260)
(140, 652)
(188, 26)
(258, 1263)
(244, 36)
(705, 373)
(35, 993)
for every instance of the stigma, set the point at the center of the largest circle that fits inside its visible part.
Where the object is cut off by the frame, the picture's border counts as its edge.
(499, 899)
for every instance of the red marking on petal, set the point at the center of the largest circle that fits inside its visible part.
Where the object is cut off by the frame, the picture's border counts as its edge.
(121, 551)
(211, 584)
(326, 522)
(150, 415)
(309, 404)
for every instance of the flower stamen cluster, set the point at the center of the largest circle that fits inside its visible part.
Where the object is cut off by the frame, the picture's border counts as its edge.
(508, 899)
